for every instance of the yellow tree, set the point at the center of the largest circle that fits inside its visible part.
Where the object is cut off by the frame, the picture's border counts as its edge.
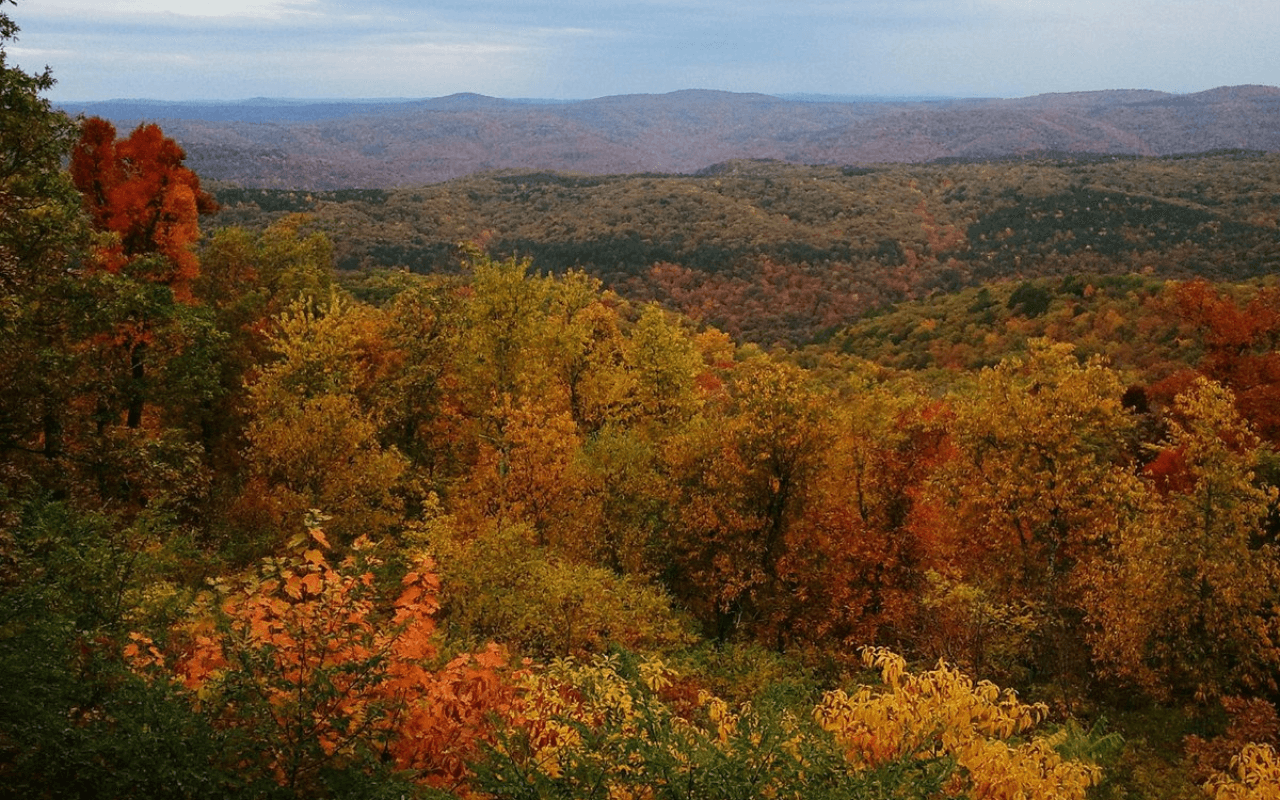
(316, 419)
(505, 327)
(530, 474)
(1037, 483)
(665, 364)
(588, 348)
(1254, 775)
(1187, 602)
(423, 418)
(245, 281)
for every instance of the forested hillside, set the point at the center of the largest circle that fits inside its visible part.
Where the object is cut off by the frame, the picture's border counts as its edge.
(773, 253)
(277, 524)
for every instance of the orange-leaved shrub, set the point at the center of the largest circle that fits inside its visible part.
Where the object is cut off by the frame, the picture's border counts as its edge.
(308, 660)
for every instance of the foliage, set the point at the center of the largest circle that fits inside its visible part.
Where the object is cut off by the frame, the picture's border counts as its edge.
(74, 722)
(1198, 568)
(739, 475)
(777, 253)
(138, 190)
(1038, 474)
(943, 714)
(602, 729)
(1242, 347)
(320, 677)
(1063, 480)
(498, 584)
(616, 727)
(1254, 775)
(1250, 721)
(315, 421)
(41, 231)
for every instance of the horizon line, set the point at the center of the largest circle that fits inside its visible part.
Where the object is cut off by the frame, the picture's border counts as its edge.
(790, 96)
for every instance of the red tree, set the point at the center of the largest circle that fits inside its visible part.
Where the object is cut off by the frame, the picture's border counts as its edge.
(138, 189)
(1242, 349)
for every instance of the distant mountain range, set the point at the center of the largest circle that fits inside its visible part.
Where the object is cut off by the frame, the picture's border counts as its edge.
(335, 144)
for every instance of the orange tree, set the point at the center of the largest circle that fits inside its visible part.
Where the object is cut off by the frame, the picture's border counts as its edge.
(144, 205)
(1241, 343)
(741, 475)
(138, 190)
(325, 678)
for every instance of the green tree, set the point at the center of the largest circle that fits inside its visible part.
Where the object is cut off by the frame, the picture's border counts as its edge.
(41, 231)
(74, 722)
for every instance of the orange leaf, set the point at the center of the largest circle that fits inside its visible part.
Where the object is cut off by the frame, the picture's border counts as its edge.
(313, 583)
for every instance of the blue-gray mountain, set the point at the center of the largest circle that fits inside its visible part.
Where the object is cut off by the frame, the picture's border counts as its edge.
(388, 143)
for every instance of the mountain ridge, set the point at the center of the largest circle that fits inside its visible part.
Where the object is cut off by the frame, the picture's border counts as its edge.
(331, 144)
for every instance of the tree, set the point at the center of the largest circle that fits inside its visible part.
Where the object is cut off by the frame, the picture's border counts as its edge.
(1242, 347)
(741, 476)
(41, 229)
(246, 280)
(424, 421)
(316, 422)
(1184, 604)
(665, 363)
(138, 190)
(856, 563)
(505, 329)
(587, 347)
(145, 206)
(1037, 486)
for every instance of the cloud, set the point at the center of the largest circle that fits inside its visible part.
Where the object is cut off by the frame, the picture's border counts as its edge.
(585, 48)
(117, 9)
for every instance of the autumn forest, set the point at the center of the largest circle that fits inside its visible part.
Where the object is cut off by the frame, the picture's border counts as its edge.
(948, 480)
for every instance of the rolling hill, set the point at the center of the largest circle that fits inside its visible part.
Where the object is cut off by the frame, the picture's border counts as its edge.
(392, 143)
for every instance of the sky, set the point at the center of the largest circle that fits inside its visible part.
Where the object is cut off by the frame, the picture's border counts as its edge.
(578, 49)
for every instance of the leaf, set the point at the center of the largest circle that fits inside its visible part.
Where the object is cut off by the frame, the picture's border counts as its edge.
(313, 583)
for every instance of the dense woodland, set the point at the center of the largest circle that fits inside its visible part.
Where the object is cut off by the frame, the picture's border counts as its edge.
(955, 481)
(775, 253)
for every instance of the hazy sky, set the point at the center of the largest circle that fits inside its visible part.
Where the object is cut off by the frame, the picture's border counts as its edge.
(210, 49)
